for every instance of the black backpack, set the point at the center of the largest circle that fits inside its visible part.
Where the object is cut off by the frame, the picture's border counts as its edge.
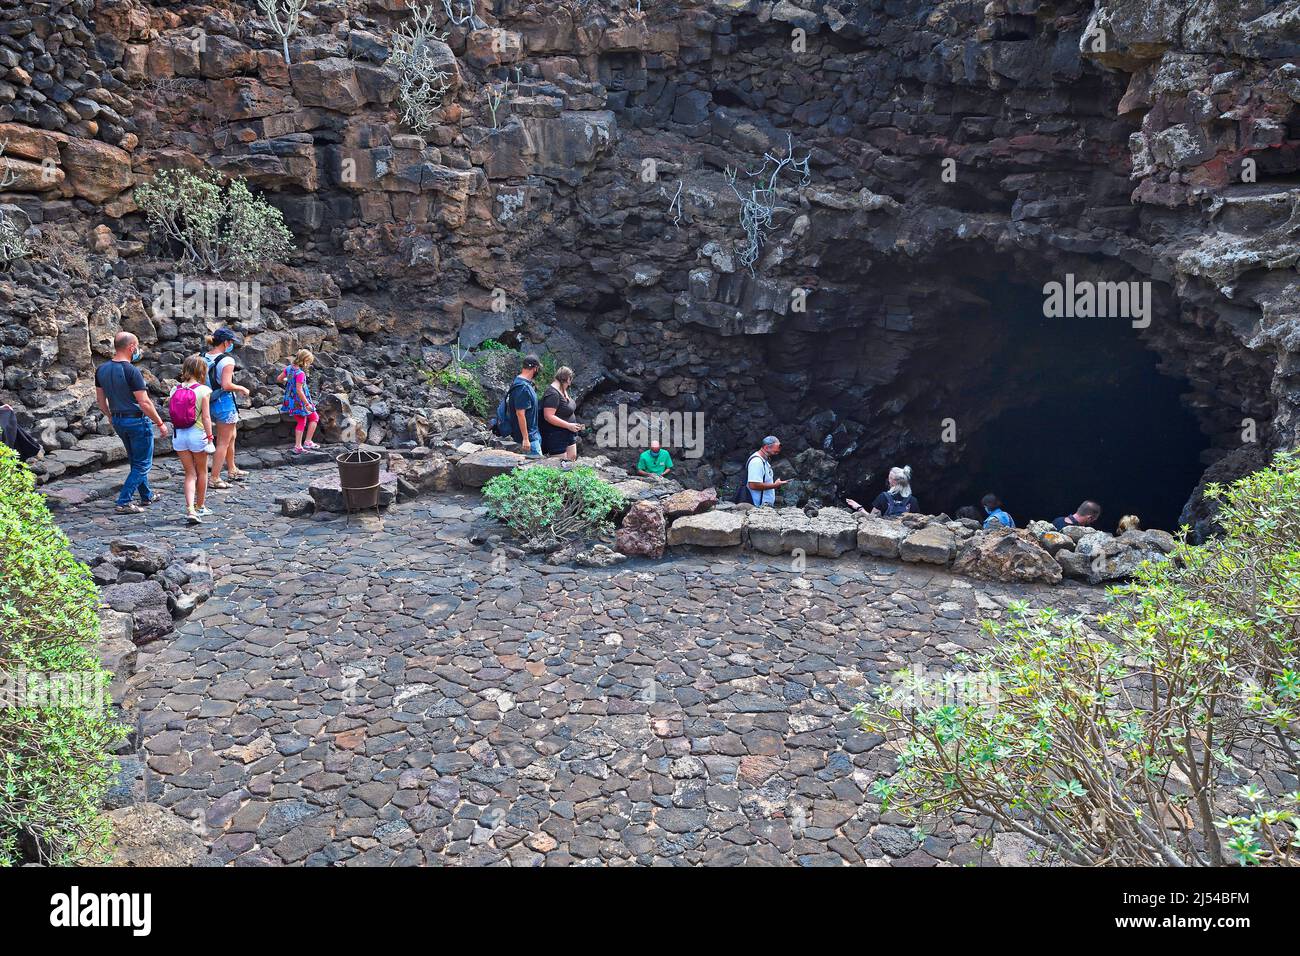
(743, 495)
(896, 506)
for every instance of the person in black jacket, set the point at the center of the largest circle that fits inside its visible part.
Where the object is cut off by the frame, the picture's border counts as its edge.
(15, 436)
(898, 500)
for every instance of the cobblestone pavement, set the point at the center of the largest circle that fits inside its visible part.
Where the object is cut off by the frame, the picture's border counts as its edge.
(357, 695)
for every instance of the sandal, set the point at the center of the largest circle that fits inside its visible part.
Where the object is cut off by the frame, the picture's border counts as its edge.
(296, 451)
(219, 484)
(310, 444)
(238, 475)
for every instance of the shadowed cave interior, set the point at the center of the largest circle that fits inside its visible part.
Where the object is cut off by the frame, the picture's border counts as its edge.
(1047, 412)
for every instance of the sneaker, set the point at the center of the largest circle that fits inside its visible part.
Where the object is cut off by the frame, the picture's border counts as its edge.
(193, 518)
(129, 509)
(204, 512)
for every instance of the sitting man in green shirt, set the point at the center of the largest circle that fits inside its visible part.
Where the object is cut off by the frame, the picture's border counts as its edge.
(655, 462)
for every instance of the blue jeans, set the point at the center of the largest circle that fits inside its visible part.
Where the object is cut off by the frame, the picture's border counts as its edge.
(535, 444)
(137, 438)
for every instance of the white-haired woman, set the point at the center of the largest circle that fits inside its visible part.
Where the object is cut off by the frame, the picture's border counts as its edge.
(898, 500)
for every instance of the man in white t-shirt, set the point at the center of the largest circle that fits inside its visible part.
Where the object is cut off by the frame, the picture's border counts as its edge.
(762, 483)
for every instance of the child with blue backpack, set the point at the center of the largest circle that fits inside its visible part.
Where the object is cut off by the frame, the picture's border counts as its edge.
(298, 402)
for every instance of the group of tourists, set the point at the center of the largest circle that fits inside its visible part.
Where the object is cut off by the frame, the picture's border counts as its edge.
(549, 425)
(758, 487)
(203, 412)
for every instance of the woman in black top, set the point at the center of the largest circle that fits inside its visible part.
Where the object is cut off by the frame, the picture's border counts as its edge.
(558, 428)
(898, 500)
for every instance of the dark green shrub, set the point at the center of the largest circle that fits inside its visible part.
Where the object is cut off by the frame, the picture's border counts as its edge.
(54, 762)
(542, 503)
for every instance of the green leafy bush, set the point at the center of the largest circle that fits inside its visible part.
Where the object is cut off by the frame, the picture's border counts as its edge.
(218, 226)
(461, 378)
(1150, 741)
(540, 503)
(488, 361)
(54, 762)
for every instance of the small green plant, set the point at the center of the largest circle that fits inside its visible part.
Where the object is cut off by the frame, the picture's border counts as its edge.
(55, 765)
(1150, 740)
(545, 374)
(218, 226)
(461, 378)
(550, 504)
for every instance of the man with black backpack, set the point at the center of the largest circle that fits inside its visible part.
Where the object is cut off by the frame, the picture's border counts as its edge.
(758, 485)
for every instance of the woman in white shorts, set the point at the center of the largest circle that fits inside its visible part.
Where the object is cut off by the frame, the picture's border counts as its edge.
(193, 443)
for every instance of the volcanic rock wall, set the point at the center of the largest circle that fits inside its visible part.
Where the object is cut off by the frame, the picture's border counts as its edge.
(595, 215)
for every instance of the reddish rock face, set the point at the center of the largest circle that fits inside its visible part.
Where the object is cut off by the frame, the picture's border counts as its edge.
(642, 534)
(689, 502)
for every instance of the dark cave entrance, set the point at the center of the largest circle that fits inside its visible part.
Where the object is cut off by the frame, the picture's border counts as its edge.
(1048, 412)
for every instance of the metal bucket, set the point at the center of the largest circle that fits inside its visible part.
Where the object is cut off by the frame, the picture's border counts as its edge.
(359, 479)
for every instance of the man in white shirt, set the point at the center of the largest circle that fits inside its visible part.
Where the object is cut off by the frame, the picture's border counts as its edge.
(762, 483)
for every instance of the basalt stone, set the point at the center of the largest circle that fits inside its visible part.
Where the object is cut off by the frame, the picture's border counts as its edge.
(429, 473)
(642, 533)
(147, 834)
(95, 171)
(785, 530)
(145, 558)
(151, 624)
(297, 506)
(880, 537)
(713, 529)
(328, 493)
(1100, 557)
(1008, 555)
(689, 502)
(933, 544)
(477, 469)
(135, 597)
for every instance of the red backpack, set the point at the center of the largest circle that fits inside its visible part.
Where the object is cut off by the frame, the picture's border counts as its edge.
(183, 407)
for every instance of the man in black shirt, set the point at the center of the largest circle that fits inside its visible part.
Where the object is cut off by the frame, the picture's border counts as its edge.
(124, 400)
(1086, 515)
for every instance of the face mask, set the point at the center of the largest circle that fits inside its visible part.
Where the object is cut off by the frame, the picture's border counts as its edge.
(137, 355)
(230, 347)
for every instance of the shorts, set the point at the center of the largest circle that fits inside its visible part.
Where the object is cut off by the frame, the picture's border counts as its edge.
(557, 441)
(225, 416)
(190, 439)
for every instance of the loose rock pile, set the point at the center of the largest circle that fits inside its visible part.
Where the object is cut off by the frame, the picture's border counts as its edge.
(1036, 554)
(147, 588)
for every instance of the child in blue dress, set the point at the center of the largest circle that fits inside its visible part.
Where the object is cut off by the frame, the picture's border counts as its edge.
(298, 402)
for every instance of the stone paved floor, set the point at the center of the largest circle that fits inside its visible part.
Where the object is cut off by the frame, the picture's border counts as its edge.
(364, 696)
